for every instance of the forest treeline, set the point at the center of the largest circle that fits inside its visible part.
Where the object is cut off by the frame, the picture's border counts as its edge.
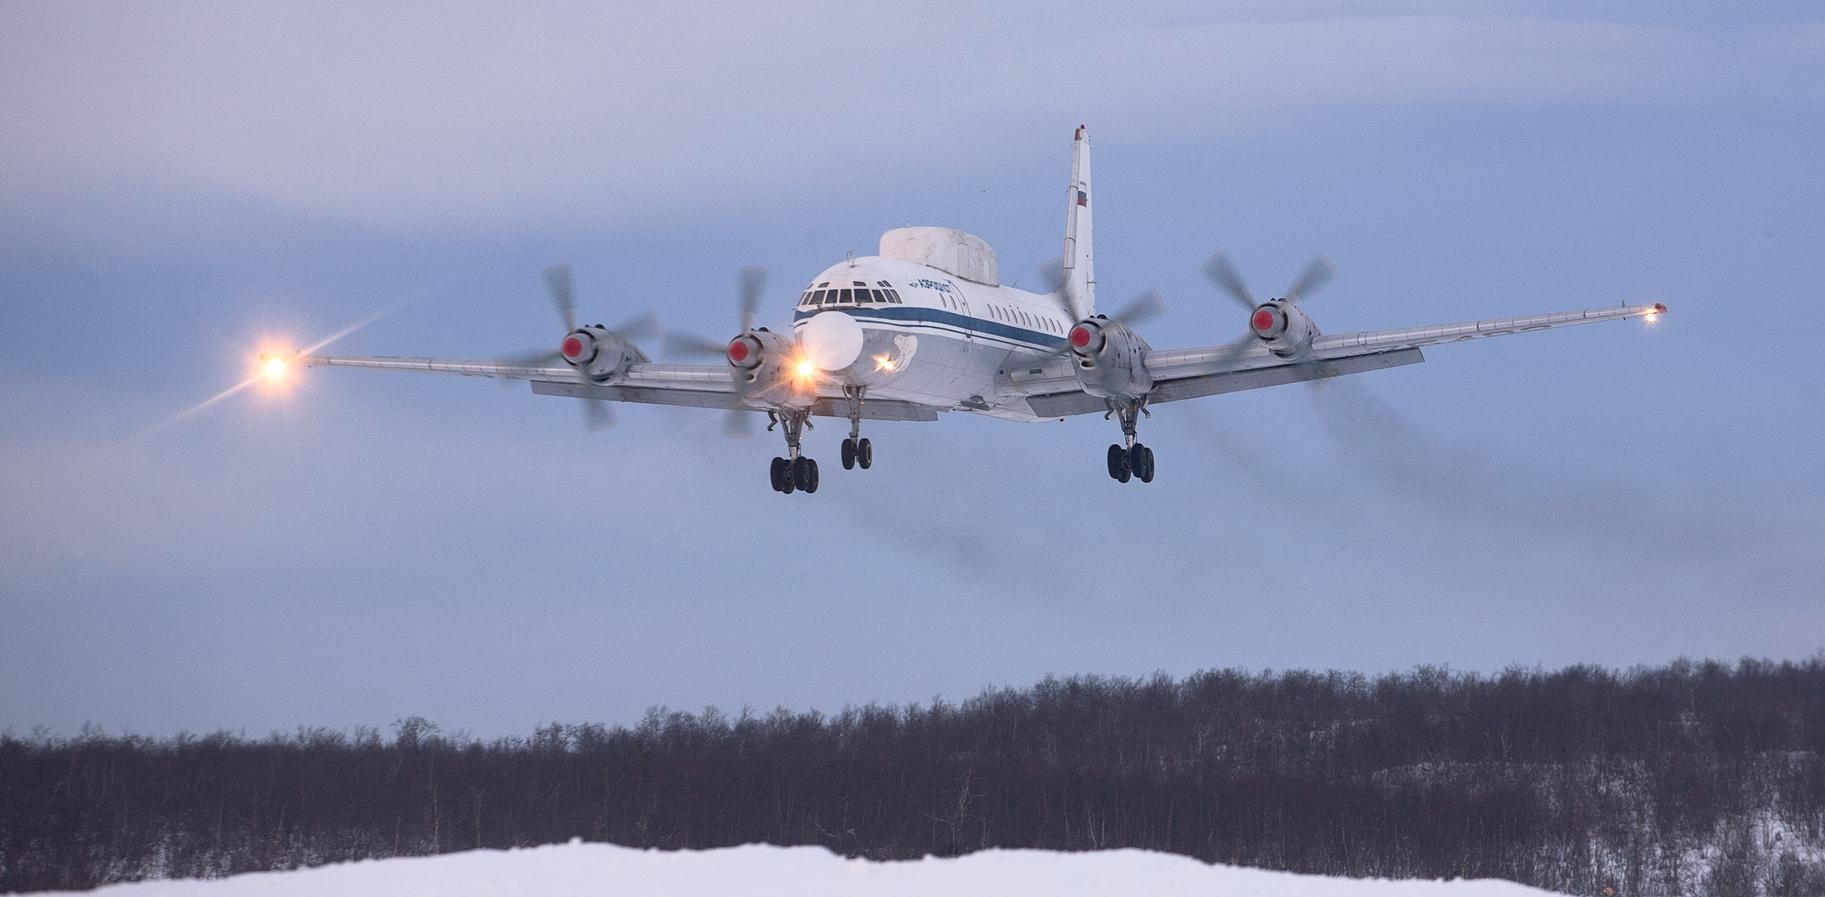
(1691, 778)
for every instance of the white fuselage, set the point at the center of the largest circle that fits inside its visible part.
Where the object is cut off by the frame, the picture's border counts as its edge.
(945, 343)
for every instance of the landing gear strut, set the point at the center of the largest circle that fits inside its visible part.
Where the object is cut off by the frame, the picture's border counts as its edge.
(1129, 459)
(856, 448)
(795, 472)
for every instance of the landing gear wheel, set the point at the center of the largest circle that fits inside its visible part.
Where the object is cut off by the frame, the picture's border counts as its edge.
(1119, 466)
(804, 474)
(864, 453)
(1140, 458)
(848, 454)
(778, 474)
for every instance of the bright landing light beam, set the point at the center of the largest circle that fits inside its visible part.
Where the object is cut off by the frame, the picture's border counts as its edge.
(271, 368)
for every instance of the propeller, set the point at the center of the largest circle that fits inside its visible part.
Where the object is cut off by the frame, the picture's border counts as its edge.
(1140, 308)
(749, 289)
(558, 285)
(1317, 273)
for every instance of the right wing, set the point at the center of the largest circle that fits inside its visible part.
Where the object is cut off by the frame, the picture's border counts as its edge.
(1053, 390)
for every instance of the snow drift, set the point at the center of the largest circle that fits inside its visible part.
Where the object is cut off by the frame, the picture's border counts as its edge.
(577, 868)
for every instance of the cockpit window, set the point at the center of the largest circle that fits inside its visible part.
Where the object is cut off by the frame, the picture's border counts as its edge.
(844, 297)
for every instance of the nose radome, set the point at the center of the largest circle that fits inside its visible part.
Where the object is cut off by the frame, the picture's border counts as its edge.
(832, 340)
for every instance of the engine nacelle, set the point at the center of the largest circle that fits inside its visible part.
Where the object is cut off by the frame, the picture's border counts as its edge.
(1107, 358)
(1287, 331)
(768, 371)
(599, 352)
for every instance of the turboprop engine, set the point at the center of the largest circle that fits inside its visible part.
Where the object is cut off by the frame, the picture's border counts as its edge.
(598, 353)
(1106, 357)
(768, 370)
(1285, 329)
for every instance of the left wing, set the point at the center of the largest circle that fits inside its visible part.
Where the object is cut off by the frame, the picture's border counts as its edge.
(1211, 370)
(690, 385)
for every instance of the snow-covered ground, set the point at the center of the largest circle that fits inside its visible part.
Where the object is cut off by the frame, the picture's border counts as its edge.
(800, 872)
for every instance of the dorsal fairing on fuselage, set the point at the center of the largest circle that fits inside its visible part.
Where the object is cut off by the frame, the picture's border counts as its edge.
(949, 250)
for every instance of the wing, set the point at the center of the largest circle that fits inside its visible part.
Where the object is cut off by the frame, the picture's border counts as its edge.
(690, 385)
(1213, 370)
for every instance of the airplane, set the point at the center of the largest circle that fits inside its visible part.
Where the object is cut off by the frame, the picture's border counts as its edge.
(926, 327)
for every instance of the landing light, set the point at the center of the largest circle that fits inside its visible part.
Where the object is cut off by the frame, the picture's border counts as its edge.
(806, 370)
(274, 368)
(1655, 312)
(883, 362)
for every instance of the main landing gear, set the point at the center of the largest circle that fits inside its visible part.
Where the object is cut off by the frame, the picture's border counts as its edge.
(857, 450)
(1129, 459)
(795, 472)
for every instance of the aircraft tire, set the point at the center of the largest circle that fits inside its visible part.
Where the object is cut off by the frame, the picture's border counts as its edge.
(864, 453)
(1142, 462)
(1118, 463)
(849, 454)
(778, 474)
(808, 481)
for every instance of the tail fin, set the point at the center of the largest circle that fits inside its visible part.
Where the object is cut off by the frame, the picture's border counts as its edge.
(1079, 270)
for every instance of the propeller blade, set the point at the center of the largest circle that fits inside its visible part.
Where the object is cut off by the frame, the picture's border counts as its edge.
(1224, 275)
(692, 344)
(1232, 353)
(638, 327)
(538, 359)
(557, 281)
(753, 282)
(596, 415)
(1058, 289)
(1144, 306)
(1316, 275)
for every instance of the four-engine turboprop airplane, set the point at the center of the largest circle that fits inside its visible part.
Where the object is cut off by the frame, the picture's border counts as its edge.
(926, 326)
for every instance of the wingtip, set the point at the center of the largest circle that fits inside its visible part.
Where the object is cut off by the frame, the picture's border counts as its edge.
(1660, 308)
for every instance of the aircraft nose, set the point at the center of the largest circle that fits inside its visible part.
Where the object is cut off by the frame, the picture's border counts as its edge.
(831, 340)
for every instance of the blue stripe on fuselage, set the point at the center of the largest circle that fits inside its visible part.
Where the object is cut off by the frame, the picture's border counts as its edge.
(918, 314)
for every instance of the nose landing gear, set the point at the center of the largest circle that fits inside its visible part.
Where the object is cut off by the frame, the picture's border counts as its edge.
(857, 450)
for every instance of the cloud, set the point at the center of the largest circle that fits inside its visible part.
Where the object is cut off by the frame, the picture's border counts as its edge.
(405, 116)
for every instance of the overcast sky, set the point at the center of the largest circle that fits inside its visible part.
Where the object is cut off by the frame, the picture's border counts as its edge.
(180, 184)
